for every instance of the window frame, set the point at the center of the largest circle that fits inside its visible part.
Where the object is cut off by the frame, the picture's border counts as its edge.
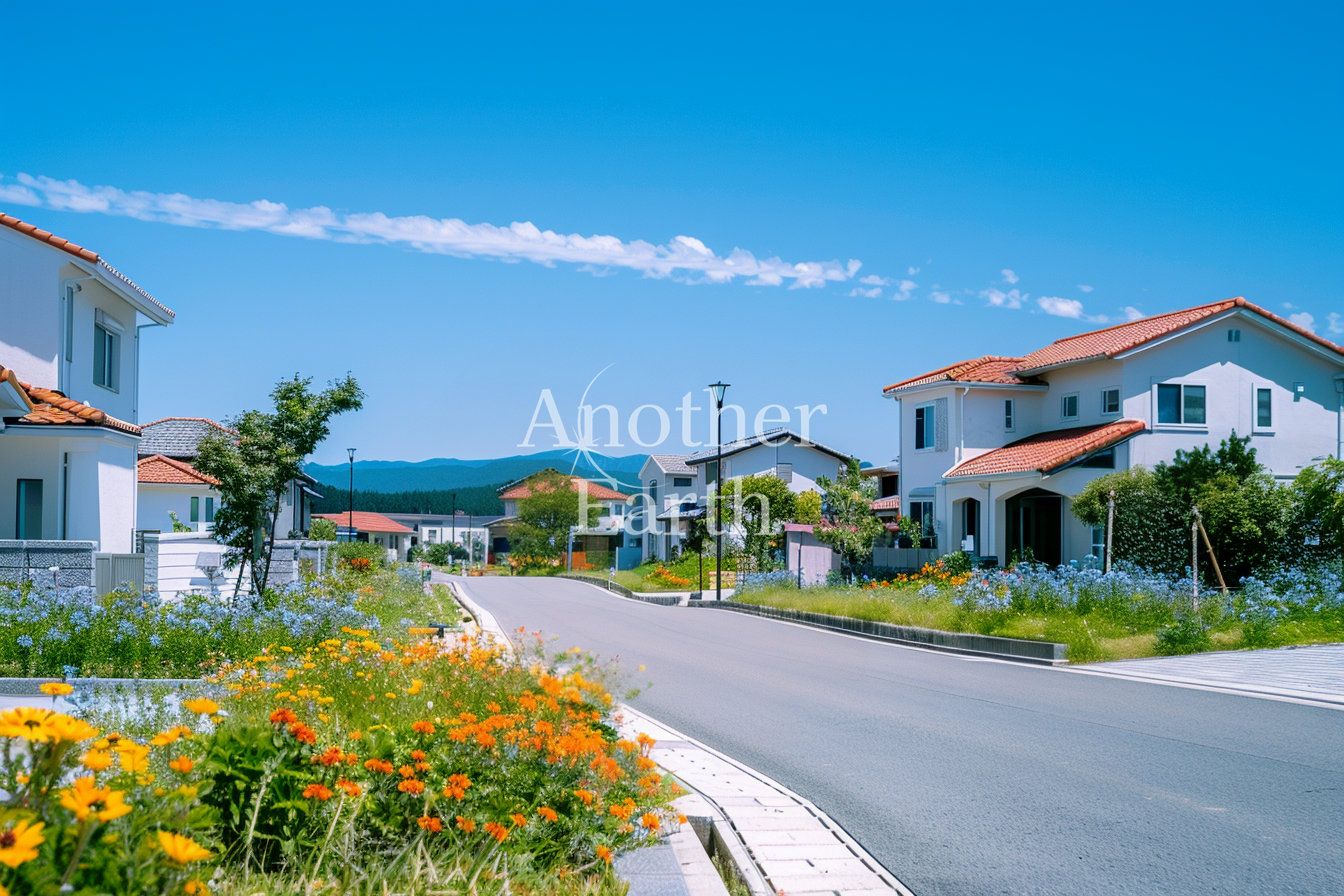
(1009, 415)
(195, 512)
(1256, 426)
(1182, 423)
(107, 344)
(926, 522)
(1063, 406)
(1119, 403)
(22, 502)
(929, 412)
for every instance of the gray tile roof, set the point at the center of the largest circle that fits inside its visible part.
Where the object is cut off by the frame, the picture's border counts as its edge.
(176, 437)
(672, 463)
(770, 435)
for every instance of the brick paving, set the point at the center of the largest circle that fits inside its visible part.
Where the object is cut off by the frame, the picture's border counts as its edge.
(1314, 672)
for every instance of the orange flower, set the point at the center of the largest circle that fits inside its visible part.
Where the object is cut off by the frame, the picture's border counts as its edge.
(547, 813)
(56, 689)
(201, 707)
(316, 791)
(284, 716)
(418, 755)
(621, 811)
(181, 764)
(96, 760)
(649, 820)
(457, 787)
(518, 820)
(466, 824)
(19, 843)
(302, 733)
(410, 785)
(604, 853)
(379, 765)
(85, 798)
(350, 787)
(422, 727)
(585, 795)
(182, 850)
(429, 824)
(406, 771)
(496, 830)
(330, 756)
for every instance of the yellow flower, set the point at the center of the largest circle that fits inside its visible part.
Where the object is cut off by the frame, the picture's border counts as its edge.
(181, 764)
(86, 798)
(68, 729)
(19, 843)
(134, 758)
(201, 706)
(96, 760)
(182, 850)
(56, 689)
(188, 793)
(26, 722)
(196, 888)
(416, 685)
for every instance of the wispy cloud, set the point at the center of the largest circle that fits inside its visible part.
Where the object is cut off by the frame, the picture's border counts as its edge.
(1084, 287)
(1000, 299)
(942, 298)
(1009, 277)
(912, 271)
(682, 258)
(873, 293)
(1132, 313)
(874, 280)
(1304, 320)
(904, 291)
(1335, 322)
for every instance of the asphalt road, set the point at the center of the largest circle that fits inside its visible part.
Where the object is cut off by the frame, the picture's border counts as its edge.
(966, 776)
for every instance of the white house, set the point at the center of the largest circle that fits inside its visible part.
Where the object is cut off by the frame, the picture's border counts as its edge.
(608, 536)
(169, 482)
(993, 450)
(70, 328)
(676, 485)
(374, 528)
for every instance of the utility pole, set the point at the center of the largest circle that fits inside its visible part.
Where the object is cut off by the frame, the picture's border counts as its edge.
(350, 531)
(719, 390)
(1110, 528)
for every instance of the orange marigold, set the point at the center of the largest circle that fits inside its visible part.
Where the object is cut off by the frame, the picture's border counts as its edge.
(518, 820)
(410, 785)
(379, 765)
(330, 756)
(316, 791)
(649, 820)
(547, 813)
(181, 764)
(457, 787)
(406, 771)
(429, 824)
(284, 716)
(422, 727)
(585, 795)
(350, 787)
(466, 824)
(604, 853)
(302, 733)
(496, 830)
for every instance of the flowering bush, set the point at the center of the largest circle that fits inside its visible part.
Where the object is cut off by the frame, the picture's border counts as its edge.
(939, 572)
(759, 581)
(664, 576)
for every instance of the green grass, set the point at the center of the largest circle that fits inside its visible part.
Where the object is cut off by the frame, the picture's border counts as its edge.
(1097, 636)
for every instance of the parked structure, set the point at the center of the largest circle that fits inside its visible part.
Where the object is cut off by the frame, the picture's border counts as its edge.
(993, 450)
(70, 327)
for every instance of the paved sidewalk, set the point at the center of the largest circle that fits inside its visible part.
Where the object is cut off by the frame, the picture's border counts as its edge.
(1312, 674)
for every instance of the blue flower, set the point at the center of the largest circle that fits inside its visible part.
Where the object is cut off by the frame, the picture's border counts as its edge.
(25, 640)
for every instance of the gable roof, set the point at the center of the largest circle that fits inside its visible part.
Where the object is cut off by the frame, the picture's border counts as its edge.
(1116, 340)
(366, 521)
(47, 407)
(518, 490)
(770, 435)
(46, 236)
(177, 436)
(672, 463)
(161, 470)
(994, 369)
(1048, 451)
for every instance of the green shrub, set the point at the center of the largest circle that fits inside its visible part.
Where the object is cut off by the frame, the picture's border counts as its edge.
(362, 550)
(1186, 635)
(322, 529)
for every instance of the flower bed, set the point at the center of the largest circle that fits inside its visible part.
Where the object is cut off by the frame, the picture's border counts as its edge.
(346, 765)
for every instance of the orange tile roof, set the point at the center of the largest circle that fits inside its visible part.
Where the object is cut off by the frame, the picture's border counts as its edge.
(1121, 338)
(595, 491)
(162, 470)
(366, 521)
(1048, 451)
(46, 236)
(49, 407)
(891, 503)
(988, 369)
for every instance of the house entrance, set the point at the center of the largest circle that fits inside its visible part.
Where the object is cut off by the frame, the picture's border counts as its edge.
(1036, 524)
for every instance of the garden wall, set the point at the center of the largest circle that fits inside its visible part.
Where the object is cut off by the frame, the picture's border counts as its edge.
(174, 561)
(31, 560)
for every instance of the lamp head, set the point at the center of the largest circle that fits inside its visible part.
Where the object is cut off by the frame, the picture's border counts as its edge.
(719, 389)
(351, 451)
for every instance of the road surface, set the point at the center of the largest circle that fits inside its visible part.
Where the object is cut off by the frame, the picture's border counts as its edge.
(967, 776)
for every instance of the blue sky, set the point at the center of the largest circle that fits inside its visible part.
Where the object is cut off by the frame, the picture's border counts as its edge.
(1109, 158)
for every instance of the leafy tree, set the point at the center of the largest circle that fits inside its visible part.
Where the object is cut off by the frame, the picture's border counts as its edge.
(852, 528)
(323, 529)
(256, 464)
(1190, 471)
(807, 508)
(1318, 515)
(758, 504)
(546, 516)
(1148, 523)
(443, 553)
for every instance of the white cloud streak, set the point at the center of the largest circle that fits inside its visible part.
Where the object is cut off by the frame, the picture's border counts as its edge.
(683, 258)
(1000, 299)
(1084, 287)
(904, 291)
(1132, 313)
(1335, 322)
(873, 293)
(1304, 320)
(1009, 277)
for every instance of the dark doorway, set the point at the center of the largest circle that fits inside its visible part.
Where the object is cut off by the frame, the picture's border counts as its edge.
(970, 522)
(1036, 524)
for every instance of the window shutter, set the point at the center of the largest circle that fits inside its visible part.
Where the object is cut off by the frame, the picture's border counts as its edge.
(940, 424)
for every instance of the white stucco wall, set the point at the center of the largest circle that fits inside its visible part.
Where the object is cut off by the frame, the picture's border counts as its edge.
(29, 308)
(157, 499)
(28, 457)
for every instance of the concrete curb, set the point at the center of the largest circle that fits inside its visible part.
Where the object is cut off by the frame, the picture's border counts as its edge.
(1016, 650)
(670, 599)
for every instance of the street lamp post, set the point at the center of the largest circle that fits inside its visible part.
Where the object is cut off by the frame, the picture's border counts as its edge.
(350, 520)
(454, 538)
(719, 389)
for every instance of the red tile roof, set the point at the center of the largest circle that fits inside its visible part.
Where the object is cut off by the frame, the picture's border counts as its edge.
(49, 407)
(891, 503)
(162, 470)
(1048, 451)
(46, 236)
(989, 369)
(366, 521)
(1115, 340)
(595, 492)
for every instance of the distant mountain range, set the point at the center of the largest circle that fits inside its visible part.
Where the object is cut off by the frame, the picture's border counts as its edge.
(445, 474)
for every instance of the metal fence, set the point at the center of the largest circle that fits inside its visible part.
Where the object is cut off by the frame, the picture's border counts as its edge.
(112, 571)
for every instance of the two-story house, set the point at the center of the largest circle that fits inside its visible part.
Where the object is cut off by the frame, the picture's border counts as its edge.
(675, 486)
(70, 327)
(607, 537)
(993, 450)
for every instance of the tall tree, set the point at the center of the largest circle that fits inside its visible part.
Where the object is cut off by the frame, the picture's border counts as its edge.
(849, 525)
(546, 516)
(256, 465)
(759, 504)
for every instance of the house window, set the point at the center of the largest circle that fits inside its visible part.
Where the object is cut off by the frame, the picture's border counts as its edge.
(106, 372)
(1233, 335)
(922, 512)
(1008, 415)
(1110, 401)
(1102, 460)
(1068, 407)
(28, 516)
(925, 428)
(711, 472)
(653, 491)
(1099, 542)
(195, 509)
(209, 510)
(681, 481)
(1179, 403)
